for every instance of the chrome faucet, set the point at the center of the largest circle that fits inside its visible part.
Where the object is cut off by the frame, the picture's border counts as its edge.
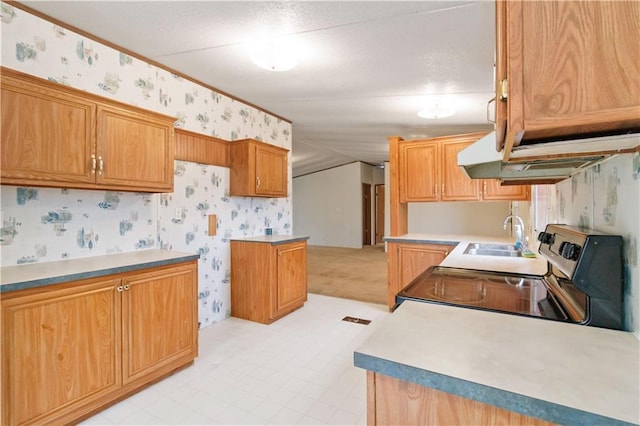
(518, 227)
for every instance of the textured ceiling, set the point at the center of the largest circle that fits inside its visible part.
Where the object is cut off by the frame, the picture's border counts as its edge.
(365, 68)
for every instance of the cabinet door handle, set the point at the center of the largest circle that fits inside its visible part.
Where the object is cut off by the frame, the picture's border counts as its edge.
(443, 189)
(485, 187)
(119, 289)
(489, 120)
(435, 190)
(258, 182)
(93, 163)
(126, 287)
(100, 165)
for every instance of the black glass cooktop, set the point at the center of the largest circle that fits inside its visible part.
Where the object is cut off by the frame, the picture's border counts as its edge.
(499, 292)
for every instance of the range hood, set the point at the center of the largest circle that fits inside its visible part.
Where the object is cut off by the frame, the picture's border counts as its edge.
(545, 162)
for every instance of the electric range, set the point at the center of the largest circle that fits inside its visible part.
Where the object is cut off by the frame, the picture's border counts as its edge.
(583, 283)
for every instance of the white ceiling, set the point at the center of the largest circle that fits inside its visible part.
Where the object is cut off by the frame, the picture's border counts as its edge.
(364, 72)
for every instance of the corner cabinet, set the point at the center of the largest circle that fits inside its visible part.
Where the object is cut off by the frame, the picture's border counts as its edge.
(407, 261)
(429, 171)
(54, 135)
(258, 169)
(71, 349)
(566, 68)
(268, 280)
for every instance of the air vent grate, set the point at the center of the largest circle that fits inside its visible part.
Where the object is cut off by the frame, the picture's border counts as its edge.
(356, 320)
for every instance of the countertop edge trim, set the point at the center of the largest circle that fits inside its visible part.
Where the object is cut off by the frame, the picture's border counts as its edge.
(273, 243)
(418, 241)
(485, 394)
(43, 282)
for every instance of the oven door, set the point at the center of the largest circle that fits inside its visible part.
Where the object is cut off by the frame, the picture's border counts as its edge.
(526, 295)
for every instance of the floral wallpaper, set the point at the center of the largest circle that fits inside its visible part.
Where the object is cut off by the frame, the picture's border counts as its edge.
(606, 197)
(47, 224)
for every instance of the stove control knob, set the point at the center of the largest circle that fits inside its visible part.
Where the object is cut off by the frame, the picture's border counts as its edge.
(569, 250)
(546, 238)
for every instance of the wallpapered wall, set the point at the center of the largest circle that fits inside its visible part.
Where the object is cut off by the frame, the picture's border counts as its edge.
(41, 224)
(606, 197)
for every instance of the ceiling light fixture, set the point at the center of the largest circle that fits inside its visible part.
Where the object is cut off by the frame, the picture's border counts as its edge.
(274, 55)
(436, 111)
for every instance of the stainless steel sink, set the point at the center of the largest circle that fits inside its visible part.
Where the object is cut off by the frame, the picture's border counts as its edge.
(503, 250)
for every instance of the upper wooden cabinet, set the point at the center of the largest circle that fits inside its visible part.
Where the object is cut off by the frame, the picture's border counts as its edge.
(258, 169)
(492, 190)
(455, 184)
(53, 135)
(566, 68)
(419, 171)
(429, 171)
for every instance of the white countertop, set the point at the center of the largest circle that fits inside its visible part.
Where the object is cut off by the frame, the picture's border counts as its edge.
(28, 275)
(591, 369)
(457, 259)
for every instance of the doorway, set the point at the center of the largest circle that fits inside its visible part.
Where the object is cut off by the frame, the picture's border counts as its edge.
(379, 206)
(366, 214)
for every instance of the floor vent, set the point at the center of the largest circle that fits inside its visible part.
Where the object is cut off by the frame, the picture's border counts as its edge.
(356, 320)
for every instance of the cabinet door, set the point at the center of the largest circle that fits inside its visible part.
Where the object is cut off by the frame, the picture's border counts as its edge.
(456, 185)
(291, 286)
(494, 191)
(419, 167)
(573, 67)
(271, 171)
(60, 350)
(135, 150)
(159, 319)
(407, 261)
(47, 134)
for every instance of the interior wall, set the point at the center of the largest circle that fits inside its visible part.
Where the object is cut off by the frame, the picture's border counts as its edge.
(46, 224)
(459, 217)
(327, 206)
(606, 197)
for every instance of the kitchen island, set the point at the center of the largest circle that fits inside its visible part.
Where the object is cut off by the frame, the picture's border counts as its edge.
(552, 371)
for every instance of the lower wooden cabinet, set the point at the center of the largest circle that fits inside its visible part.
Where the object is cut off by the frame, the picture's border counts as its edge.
(71, 349)
(391, 401)
(407, 261)
(268, 281)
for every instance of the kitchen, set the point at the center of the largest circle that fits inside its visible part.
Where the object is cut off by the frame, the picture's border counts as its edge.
(176, 220)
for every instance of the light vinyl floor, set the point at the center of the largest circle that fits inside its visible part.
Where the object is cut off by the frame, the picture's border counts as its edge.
(298, 370)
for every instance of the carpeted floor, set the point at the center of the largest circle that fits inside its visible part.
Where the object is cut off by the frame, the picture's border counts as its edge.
(357, 274)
